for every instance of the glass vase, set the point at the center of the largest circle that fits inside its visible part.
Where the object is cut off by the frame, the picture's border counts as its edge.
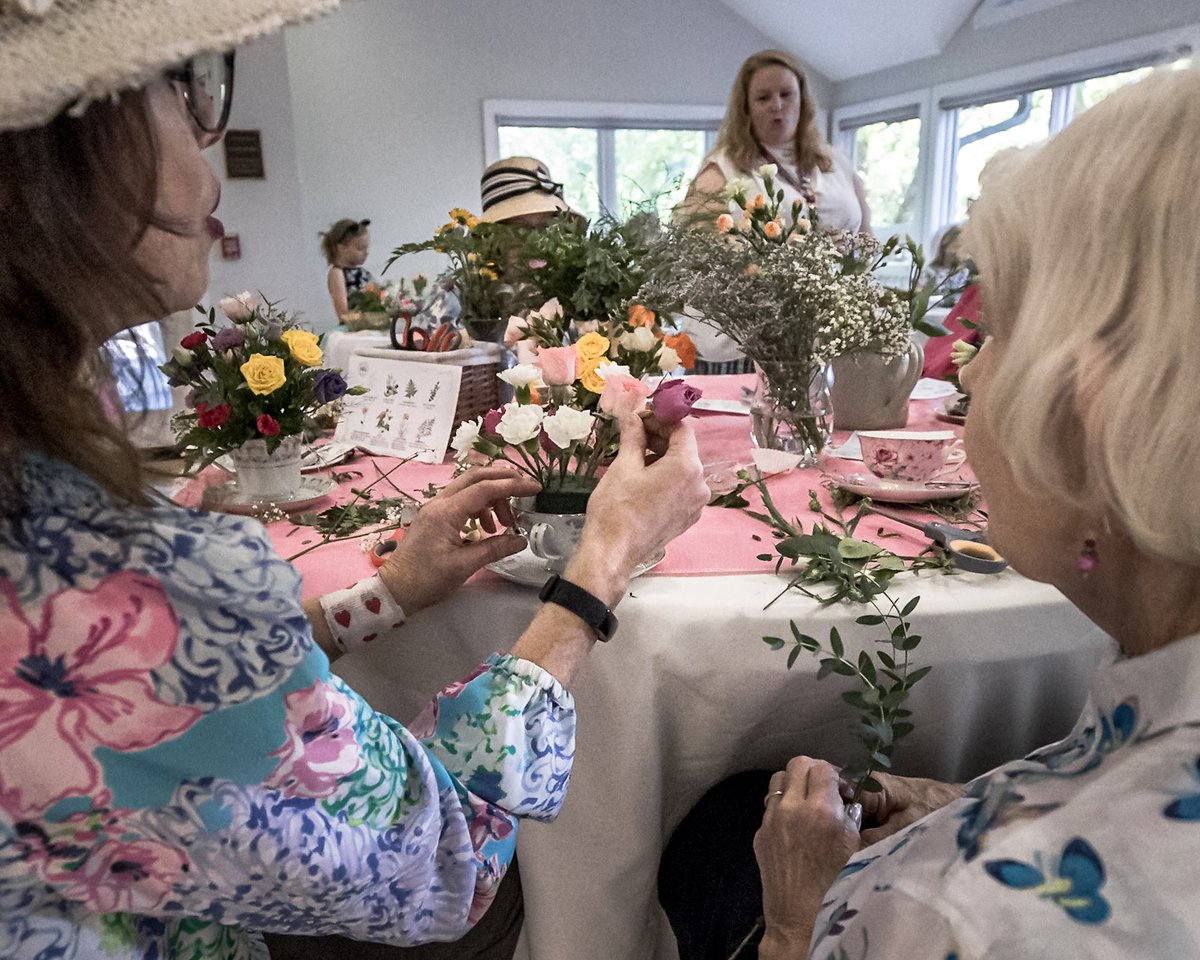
(791, 409)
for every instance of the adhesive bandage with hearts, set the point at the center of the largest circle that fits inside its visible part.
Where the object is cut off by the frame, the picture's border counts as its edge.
(361, 613)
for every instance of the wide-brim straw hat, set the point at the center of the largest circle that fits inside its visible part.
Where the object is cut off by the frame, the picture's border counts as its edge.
(56, 54)
(518, 186)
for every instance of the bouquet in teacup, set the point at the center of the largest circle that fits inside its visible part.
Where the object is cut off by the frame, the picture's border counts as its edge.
(561, 426)
(261, 377)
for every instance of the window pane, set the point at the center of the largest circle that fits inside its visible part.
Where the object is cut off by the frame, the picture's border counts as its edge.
(1087, 94)
(571, 154)
(886, 156)
(655, 165)
(985, 130)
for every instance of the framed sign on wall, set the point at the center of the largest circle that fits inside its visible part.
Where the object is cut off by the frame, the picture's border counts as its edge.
(243, 155)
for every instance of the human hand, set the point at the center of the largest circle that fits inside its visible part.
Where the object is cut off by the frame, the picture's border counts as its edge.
(644, 501)
(805, 839)
(433, 559)
(903, 800)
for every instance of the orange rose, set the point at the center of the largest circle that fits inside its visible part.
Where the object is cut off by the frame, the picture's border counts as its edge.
(682, 344)
(641, 316)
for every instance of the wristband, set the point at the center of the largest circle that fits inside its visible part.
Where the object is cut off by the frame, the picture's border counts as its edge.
(590, 609)
(359, 614)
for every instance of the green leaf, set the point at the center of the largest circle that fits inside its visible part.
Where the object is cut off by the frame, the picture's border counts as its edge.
(870, 785)
(842, 668)
(881, 760)
(853, 549)
(795, 652)
(866, 666)
(890, 562)
(909, 643)
(826, 668)
(869, 620)
(835, 642)
(902, 729)
(886, 660)
(775, 643)
(910, 606)
(915, 675)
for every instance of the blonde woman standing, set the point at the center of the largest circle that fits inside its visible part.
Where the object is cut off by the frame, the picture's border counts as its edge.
(771, 118)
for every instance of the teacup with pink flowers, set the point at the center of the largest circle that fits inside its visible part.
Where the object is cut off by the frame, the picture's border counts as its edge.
(910, 456)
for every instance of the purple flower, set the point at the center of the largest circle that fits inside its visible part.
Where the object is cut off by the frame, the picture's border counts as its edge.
(673, 400)
(228, 338)
(176, 375)
(328, 386)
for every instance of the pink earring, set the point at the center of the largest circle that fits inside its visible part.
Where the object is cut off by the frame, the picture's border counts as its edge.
(1088, 559)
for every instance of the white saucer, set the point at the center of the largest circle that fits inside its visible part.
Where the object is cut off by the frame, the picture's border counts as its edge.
(530, 571)
(866, 484)
(228, 499)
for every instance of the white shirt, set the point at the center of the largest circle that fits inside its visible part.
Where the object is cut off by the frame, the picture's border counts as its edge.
(1086, 848)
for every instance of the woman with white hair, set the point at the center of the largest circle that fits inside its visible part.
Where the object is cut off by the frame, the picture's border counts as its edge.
(1082, 432)
(178, 767)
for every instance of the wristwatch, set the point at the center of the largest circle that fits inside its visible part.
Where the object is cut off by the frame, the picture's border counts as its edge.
(590, 609)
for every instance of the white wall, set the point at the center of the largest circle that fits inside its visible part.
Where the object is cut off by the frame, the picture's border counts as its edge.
(264, 213)
(1080, 25)
(387, 98)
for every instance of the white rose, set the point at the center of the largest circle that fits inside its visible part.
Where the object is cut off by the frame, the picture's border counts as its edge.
(640, 339)
(465, 437)
(607, 369)
(568, 425)
(522, 375)
(240, 307)
(768, 170)
(520, 422)
(668, 359)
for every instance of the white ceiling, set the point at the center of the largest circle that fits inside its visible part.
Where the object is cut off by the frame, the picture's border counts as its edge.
(847, 38)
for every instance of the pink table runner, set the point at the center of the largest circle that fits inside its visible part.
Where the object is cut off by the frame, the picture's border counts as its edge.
(722, 542)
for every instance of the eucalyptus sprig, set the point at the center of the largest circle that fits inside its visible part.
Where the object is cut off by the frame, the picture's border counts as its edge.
(882, 683)
(858, 571)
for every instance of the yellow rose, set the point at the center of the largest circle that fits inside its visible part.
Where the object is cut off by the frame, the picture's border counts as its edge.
(587, 371)
(304, 346)
(264, 374)
(591, 346)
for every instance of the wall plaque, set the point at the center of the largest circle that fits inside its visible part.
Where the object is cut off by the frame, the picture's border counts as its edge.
(243, 155)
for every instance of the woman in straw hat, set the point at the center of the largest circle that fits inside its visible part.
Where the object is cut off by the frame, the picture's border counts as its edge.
(519, 191)
(178, 767)
(1082, 431)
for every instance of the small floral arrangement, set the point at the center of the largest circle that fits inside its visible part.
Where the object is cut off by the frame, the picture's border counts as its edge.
(260, 378)
(561, 427)
(478, 253)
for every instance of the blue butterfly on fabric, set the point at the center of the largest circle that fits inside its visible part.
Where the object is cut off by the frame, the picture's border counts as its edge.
(1001, 805)
(1074, 885)
(1186, 807)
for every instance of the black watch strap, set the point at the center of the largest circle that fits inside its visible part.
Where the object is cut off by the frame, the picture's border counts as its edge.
(590, 609)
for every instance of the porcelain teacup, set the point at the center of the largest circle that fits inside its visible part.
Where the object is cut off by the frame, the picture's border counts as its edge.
(914, 457)
(553, 537)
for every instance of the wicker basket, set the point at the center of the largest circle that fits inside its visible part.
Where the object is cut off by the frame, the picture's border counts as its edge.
(479, 390)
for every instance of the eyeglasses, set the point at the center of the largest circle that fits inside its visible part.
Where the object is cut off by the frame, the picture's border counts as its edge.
(207, 82)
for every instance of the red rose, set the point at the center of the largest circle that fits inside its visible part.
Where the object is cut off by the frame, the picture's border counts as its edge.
(267, 425)
(193, 340)
(212, 416)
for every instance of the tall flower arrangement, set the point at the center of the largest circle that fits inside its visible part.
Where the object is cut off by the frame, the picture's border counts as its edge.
(260, 378)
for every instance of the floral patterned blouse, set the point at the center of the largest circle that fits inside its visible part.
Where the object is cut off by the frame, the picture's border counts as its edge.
(178, 767)
(1086, 848)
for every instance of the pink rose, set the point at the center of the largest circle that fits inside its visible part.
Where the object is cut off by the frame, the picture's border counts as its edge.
(623, 394)
(673, 400)
(491, 421)
(557, 365)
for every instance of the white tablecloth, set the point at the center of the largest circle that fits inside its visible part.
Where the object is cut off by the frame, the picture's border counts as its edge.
(687, 693)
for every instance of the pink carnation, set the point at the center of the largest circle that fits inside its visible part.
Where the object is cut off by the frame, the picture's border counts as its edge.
(623, 394)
